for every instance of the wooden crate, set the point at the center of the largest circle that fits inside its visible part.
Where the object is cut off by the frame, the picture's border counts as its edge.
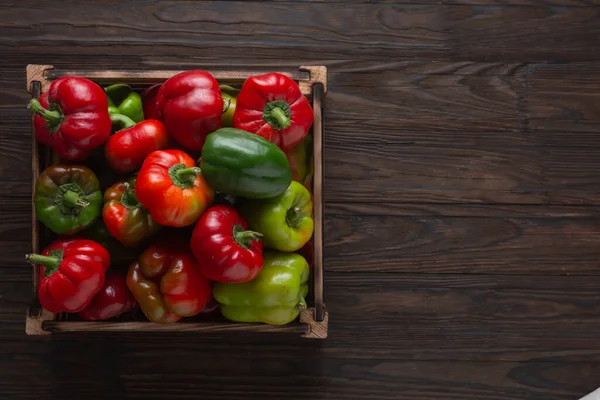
(312, 322)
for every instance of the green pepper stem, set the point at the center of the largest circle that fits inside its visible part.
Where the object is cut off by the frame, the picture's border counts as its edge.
(293, 217)
(72, 199)
(187, 174)
(226, 106)
(301, 305)
(183, 176)
(53, 117)
(244, 238)
(122, 120)
(50, 263)
(129, 199)
(279, 115)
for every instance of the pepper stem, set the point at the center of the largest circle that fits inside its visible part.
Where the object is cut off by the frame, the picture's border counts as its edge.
(244, 238)
(72, 199)
(53, 117)
(277, 114)
(293, 217)
(123, 120)
(301, 305)
(183, 176)
(50, 263)
(129, 199)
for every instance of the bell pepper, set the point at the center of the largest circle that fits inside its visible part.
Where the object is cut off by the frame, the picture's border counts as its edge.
(191, 106)
(272, 106)
(127, 149)
(120, 255)
(300, 160)
(113, 299)
(172, 189)
(125, 218)
(224, 249)
(167, 283)
(149, 102)
(67, 198)
(71, 117)
(229, 95)
(72, 272)
(276, 296)
(285, 221)
(123, 100)
(242, 164)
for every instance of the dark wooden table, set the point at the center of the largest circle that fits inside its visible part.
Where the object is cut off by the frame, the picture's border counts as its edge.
(462, 170)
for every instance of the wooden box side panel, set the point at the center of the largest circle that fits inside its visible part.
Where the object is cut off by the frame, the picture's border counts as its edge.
(312, 322)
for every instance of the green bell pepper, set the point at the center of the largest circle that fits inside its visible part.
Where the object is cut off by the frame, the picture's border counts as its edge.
(276, 296)
(229, 95)
(285, 221)
(123, 100)
(67, 198)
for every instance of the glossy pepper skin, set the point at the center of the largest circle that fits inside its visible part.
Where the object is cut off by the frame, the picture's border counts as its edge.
(229, 95)
(225, 250)
(285, 221)
(127, 149)
(300, 160)
(124, 101)
(149, 102)
(113, 299)
(72, 272)
(272, 106)
(71, 117)
(167, 283)
(172, 188)
(125, 218)
(190, 104)
(276, 296)
(67, 198)
(240, 163)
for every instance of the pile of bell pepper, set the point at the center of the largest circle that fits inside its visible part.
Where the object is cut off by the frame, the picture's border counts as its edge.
(185, 199)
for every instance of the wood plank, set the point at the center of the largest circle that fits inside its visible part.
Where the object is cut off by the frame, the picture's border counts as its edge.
(378, 238)
(398, 317)
(377, 31)
(402, 172)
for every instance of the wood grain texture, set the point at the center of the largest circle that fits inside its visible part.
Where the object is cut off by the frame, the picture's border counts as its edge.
(377, 238)
(377, 31)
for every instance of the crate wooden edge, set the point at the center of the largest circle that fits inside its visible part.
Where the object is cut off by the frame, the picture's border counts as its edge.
(38, 319)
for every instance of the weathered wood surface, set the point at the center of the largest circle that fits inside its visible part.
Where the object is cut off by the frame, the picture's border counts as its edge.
(462, 186)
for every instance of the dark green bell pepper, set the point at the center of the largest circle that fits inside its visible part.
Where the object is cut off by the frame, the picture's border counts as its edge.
(123, 100)
(276, 296)
(67, 198)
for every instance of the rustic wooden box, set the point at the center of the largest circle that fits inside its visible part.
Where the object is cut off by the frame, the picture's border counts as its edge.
(312, 322)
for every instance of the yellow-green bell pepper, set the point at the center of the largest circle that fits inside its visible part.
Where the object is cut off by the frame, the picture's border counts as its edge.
(285, 221)
(276, 296)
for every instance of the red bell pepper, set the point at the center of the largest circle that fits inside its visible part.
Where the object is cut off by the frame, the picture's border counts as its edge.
(71, 117)
(127, 149)
(125, 218)
(172, 189)
(113, 299)
(224, 249)
(272, 106)
(72, 272)
(149, 102)
(191, 106)
(167, 283)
